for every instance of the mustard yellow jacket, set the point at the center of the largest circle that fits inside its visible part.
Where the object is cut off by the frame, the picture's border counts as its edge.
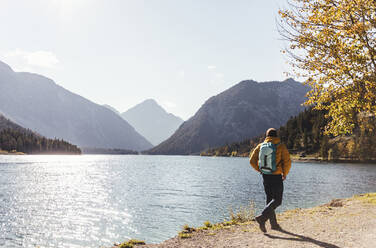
(282, 157)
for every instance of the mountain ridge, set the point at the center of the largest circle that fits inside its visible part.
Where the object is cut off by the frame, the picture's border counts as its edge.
(38, 103)
(111, 108)
(242, 111)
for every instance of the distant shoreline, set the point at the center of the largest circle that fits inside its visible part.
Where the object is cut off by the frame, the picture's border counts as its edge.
(335, 161)
(309, 159)
(2, 152)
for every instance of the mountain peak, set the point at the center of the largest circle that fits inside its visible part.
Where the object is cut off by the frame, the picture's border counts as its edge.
(5, 68)
(152, 121)
(243, 111)
(149, 106)
(290, 80)
(150, 101)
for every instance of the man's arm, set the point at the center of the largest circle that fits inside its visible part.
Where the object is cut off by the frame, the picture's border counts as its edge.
(253, 160)
(286, 161)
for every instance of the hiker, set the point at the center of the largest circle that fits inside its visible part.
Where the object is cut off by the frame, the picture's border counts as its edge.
(272, 160)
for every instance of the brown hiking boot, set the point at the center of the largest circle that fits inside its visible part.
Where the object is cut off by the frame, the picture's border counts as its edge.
(261, 221)
(273, 222)
(276, 227)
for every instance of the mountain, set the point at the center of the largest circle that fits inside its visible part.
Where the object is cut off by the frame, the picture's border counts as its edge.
(38, 103)
(14, 138)
(303, 133)
(305, 139)
(8, 124)
(111, 108)
(243, 111)
(152, 121)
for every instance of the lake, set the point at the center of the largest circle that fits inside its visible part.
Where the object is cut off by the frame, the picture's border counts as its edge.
(96, 200)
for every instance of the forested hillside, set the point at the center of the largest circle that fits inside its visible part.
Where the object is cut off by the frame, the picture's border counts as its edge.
(304, 137)
(16, 138)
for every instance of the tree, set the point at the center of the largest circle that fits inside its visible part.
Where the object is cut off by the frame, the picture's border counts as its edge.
(324, 148)
(332, 44)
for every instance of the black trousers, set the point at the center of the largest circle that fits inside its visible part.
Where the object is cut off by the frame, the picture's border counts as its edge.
(273, 185)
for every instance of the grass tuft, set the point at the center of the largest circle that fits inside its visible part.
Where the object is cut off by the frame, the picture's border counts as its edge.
(208, 224)
(188, 229)
(244, 214)
(368, 198)
(184, 235)
(131, 243)
(186, 232)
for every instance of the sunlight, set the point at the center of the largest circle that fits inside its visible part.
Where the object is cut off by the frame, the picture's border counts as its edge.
(68, 7)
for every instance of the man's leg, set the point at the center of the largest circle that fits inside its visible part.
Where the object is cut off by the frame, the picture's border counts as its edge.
(273, 186)
(265, 215)
(277, 196)
(273, 220)
(273, 190)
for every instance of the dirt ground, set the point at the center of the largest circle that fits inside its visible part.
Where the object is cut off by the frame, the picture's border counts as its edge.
(341, 223)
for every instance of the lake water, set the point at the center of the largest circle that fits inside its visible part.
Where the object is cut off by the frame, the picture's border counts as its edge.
(96, 200)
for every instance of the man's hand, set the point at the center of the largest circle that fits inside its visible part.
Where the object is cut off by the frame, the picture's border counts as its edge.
(283, 177)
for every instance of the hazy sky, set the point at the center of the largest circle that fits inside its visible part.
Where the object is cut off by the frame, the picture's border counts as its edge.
(121, 52)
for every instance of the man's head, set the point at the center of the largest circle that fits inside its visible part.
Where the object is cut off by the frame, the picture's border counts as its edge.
(272, 132)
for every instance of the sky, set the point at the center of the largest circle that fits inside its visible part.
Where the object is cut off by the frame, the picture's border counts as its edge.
(122, 52)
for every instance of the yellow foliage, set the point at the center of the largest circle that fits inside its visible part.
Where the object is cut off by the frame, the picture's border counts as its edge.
(332, 43)
(351, 146)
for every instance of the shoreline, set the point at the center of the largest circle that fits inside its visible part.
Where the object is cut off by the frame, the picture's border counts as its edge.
(335, 161)
(2, 152)
(308, 159)
(32, 154)
(293, 159)
(348, 222)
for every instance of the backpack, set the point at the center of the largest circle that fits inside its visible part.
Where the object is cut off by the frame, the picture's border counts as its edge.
(267, 157)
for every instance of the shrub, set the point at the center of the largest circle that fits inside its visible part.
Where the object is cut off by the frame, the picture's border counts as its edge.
(184, 235)
(131, 243)
(244, 214)
(207, 224)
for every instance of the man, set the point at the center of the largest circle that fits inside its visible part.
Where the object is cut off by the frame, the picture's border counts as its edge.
(262, 162)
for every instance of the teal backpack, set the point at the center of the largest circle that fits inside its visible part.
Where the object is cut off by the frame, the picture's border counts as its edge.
(267, 157)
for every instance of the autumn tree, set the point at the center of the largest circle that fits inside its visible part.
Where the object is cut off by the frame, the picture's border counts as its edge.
(332, 45)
